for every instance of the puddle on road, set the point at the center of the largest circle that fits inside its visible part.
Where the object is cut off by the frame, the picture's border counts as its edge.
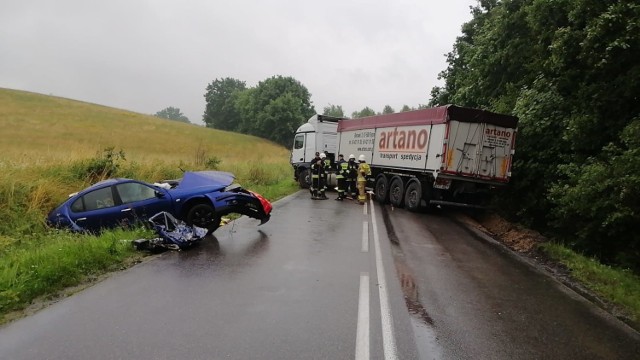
(421, 321)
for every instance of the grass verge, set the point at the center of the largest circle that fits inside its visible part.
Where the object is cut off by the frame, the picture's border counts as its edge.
(43, 265)
(620, 287)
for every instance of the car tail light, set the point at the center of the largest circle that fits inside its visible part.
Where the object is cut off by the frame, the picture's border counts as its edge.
(266, 205)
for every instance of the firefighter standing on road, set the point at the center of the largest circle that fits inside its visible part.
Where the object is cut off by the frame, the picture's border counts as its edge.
(352, 174)
(316, 164)
(324, 166)
(318, 178)
(342, 171)
(363, 172)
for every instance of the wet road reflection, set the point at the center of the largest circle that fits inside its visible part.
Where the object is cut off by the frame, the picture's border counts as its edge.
(471, 300)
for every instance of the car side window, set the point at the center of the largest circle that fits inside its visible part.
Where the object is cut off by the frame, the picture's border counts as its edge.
(77, 205)
(131, 192)
(98, 199)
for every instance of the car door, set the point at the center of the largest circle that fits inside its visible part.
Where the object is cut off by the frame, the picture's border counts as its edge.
(95, 209)
(140, 201)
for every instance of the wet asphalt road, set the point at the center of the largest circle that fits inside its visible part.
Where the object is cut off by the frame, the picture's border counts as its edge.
(479, 302)
(309, 285)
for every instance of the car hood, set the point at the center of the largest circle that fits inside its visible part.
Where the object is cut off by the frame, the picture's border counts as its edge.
(194, 179)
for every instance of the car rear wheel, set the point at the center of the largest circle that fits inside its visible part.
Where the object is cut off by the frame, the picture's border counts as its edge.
(204, 216)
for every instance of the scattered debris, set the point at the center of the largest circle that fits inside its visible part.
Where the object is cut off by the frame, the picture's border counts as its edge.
(173, 234)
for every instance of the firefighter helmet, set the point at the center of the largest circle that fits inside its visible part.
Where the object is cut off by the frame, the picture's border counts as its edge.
(361, 158)
(323, 155)
(352, 157)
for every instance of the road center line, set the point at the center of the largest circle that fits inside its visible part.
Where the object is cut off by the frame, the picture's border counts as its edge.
(388, 336)
(364, 209)
(362, 330)
(365, 237)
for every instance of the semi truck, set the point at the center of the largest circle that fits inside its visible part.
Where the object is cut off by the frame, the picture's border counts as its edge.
(447, 155)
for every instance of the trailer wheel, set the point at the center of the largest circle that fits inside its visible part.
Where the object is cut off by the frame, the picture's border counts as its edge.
(396, 191)
(413, 196)
(304, 178)
(382, 189)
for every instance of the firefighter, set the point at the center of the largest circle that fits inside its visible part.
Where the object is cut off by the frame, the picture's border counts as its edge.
(318, 178)
(363, 172)
(323, 176)
(341, 173)
(352, 173)
(316, 163)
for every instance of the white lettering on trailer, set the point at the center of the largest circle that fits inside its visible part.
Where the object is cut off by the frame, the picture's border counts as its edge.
(402, 146)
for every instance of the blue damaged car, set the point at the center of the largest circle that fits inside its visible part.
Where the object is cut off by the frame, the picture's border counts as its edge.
(200, 199)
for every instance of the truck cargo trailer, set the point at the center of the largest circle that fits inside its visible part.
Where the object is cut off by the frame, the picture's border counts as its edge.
(447, 155)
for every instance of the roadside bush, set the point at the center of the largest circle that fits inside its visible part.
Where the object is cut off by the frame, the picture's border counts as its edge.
(598, 206)
(102, 166)
(212, 163)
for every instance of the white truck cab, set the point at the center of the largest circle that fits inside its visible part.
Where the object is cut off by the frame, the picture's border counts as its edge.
(318, 134)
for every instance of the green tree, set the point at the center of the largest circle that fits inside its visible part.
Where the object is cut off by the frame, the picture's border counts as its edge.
(406, 108)
(598, 206)
(568, 69)
(172, 113)
(333, 110)
(221, 96)
(388, 110)
(274, 109)
(367, 111)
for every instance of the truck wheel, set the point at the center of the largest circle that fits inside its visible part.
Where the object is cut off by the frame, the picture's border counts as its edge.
(204, 216)
(413, 196)
(396, 191)
(382, 189)
(304, 178)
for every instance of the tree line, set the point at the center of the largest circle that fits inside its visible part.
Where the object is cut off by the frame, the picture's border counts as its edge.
(273, 109)
(569, 70)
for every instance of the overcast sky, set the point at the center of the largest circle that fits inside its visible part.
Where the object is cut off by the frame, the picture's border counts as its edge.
(145, 56)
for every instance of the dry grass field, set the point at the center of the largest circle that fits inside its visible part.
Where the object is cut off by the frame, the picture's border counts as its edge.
(39, 129)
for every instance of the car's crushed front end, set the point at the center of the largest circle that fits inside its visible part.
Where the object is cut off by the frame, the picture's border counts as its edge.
(235, 199)
(225, 196)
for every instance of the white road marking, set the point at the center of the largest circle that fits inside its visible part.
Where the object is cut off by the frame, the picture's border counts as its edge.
(362, 331)
(364, 209)
(388, 336)
(365, 237)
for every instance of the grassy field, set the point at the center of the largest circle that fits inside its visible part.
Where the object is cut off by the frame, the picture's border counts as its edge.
(51, 147)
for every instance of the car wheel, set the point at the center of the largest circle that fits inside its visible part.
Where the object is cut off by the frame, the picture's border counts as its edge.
(396, 192)
(204, 216)
(382, 189)
(413, 196)
(304, 178)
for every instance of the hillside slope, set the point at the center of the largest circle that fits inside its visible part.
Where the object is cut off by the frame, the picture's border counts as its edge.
(43, 129)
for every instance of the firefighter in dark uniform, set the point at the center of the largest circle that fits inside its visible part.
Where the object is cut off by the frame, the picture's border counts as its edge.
(322, 172)
(318, 178)
(352, 174)
(315, 176)
(341, 174)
